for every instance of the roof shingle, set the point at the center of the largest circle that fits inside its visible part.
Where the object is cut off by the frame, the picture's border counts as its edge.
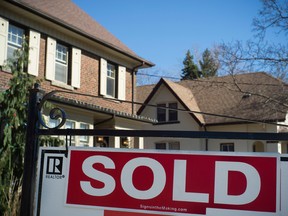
(69, 14)
(251, 96)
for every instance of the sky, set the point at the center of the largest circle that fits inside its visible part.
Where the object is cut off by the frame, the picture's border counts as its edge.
(162, 31)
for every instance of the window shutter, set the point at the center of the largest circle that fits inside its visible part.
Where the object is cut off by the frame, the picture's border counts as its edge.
(50, 58)
(103, 76)
(121, 83)
(34, 50)
(3, 40)
(76, 67)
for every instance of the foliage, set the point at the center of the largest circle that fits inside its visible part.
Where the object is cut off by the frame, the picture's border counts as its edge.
(190, 70)
(257, 54)
(13, 116)
(209, 64)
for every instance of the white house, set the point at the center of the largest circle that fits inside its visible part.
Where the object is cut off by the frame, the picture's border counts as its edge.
(252, 102)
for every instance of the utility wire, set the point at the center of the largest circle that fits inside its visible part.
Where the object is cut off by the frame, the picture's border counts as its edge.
(52, 93)
(211, 81)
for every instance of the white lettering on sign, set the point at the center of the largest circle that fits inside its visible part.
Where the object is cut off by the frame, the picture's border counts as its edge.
(253, 180)
(221, 195)
(109, 182)
(179, 178)
(159, 180)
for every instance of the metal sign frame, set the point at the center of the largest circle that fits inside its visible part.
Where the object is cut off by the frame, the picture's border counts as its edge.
(36, 102)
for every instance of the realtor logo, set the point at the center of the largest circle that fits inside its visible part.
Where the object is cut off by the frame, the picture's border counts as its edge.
(54, 165)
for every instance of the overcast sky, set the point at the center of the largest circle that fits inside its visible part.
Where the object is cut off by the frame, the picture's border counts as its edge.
(162, 31)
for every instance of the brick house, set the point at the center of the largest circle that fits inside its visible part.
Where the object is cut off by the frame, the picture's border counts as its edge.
(252, 102)
(70, 51)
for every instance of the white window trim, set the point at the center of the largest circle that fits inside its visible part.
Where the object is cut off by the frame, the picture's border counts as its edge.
(34, 52)
(121, 80)
(50, 65)
(4, 26)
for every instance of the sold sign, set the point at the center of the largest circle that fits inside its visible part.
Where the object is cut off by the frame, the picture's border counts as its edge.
(171, 182)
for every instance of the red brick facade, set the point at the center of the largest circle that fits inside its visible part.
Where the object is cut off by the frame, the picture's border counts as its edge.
(90, 81)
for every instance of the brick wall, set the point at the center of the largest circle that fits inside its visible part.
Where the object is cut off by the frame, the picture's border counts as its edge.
(89, 81)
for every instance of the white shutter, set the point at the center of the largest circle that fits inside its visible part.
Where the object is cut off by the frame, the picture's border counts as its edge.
(103, 76)
(76, 67)
(34, 50)
(121, 83)
(4, 24)
(50, 59)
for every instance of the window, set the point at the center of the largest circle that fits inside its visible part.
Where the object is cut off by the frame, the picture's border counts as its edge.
(70, 125)
(111, 73)
(168, 145)
(173, 114)
(53, 123)
(61, 63)
(15, 40)
(84, 139)
(228, 147)
(167, 116)
(112, 80)
(161, 112)
(11, 39)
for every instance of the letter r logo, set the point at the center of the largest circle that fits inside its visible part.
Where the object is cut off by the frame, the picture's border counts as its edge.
(54, 165)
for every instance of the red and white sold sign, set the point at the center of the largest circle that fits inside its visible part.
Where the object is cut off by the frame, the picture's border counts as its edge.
(173, 183)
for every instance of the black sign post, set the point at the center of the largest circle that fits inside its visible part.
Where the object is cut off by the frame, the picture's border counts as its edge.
(30, 156)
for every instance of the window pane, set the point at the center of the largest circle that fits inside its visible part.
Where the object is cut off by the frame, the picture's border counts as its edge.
(173, 113)
(111, 86)
(61, 72)
(61, 65)
(161, 113)
(70, 125)
(84, 138)
(111, 72)
(229, 147)
(61, 53)
(15, 39)
(174, 146)
(15, 35)
(160, 145)
(53, 123)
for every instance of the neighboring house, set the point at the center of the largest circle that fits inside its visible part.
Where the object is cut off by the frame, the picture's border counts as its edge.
(207, 104)
(71, 51)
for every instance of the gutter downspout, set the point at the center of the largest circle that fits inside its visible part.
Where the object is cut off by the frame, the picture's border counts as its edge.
(134, 71)
(206, 139)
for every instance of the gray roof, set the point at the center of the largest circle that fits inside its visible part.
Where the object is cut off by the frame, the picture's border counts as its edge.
(251, 96)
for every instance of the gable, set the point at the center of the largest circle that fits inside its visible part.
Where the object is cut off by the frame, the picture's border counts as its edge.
(167, 91)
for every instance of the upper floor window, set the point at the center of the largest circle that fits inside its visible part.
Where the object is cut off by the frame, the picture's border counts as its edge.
(111, 84)
(228, 147)
(112, 80)
(15, 40)
(11, 39)
(167, 112)
(63, 64)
